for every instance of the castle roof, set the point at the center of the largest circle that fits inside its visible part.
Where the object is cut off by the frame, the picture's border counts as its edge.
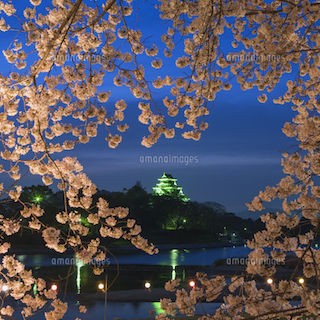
(167, 186)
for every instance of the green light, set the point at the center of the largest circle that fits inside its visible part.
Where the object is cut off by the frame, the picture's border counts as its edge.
(79, 264)
(34, 289)
(174, 261)
(167, 186)
(37, 199)
(173, 273)
(157, 308)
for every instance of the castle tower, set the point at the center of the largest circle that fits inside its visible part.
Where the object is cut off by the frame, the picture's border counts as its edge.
(167, 186)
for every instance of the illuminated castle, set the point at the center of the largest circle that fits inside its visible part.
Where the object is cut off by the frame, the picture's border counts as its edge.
(167, 186)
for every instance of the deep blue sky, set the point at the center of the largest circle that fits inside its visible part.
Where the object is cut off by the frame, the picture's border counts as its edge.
(238, 155)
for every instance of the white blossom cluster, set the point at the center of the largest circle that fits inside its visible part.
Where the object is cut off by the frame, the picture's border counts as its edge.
(58, 95)
(288, 31)
(53, 99)
(17, 283)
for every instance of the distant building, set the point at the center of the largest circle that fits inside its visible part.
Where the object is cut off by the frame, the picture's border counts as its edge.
(167, 186)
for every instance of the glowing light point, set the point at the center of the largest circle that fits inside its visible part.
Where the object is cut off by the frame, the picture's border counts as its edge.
(301, 280)
(101, 286)
(5, 288)
(147, 285)
(54, 287)
(269, 281)
(192, 284)
(37, 199)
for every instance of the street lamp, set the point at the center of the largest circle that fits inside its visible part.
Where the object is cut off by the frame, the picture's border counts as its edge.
(54, 287)
(101, 286)
(5, 288)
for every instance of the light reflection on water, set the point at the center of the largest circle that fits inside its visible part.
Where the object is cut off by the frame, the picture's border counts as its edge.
(157, 308)
(79, 264)
(138, 310)
(173, 258)
(174, 261)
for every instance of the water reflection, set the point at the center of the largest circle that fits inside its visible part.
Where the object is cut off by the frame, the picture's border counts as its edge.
(124, 310)
(157, 269)
(201, 256)
(157, 308)
(79, 264)
(173, 273)
(170, 264)
(174, 261)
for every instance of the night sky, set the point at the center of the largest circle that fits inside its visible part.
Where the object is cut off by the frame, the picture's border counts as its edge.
(237, 156)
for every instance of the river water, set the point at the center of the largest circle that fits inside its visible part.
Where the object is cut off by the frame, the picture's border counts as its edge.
(124, 311)
(139, 310)
(177, 257)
